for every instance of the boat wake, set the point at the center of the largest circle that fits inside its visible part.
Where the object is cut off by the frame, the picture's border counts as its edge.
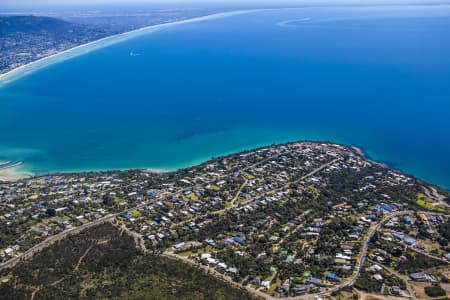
(132, 53)
(293, 22)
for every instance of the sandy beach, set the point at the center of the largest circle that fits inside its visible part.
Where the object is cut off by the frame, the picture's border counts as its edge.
(12, 174)
(13, 171)
(26, 69)
(177, 102)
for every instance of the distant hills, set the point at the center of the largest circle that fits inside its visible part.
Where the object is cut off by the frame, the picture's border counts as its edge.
(34, 24)
(24, 39)
(27, 38)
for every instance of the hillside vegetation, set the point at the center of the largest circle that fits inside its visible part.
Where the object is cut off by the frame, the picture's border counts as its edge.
(104, 263)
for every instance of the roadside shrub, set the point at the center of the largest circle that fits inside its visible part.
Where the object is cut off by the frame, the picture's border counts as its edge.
(434, 291)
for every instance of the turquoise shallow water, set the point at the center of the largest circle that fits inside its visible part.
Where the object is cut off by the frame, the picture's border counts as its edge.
(375, 77)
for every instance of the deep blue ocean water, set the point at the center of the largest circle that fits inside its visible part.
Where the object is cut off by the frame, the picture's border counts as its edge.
(374, 77)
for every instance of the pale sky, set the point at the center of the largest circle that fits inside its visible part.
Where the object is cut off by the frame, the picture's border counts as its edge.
(105, 2)
(45, 5)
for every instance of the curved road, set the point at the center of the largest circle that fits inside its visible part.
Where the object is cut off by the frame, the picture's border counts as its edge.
(372, 230)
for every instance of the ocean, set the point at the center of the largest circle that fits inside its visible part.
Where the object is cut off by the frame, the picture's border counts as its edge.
(377, 77)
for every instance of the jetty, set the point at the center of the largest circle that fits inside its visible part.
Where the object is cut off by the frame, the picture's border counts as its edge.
(9, 165)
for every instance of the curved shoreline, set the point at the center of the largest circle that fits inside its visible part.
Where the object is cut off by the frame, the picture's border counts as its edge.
(11, 174)
(128, 35)
(357, 149)
(366, 156)
(82, 49)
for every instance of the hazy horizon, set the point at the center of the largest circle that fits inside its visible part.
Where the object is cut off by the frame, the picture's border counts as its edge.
(34, 3)
(59, 8)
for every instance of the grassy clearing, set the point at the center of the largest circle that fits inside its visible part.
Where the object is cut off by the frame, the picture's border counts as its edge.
(424, 201)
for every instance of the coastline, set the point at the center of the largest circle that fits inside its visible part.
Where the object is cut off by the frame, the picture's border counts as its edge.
(370, 154)
(36, 65)
(364, 155)
(8, 171)
(13, 174)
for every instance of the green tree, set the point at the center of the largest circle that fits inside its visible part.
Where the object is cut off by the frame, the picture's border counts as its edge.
(51, 212)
